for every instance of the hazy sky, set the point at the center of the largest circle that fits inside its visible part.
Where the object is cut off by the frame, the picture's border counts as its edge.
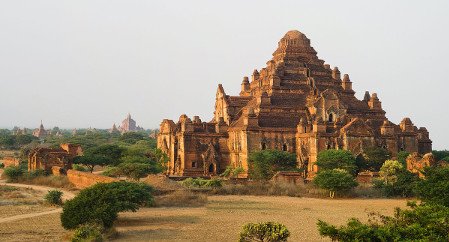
(88, 63)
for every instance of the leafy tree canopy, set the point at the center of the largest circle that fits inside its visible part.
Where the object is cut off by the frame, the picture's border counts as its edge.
(335, 180)
(333, 159)
(102, 202)
(264, 164)
(421, 223)
(434, 188)
(440, 154)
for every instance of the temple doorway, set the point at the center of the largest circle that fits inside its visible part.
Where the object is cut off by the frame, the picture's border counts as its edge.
(211, 168)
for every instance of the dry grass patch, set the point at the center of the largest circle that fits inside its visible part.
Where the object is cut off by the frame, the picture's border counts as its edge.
(16, 201)
(224, 216)
(42, 228)
(49, 181)
(181, 198)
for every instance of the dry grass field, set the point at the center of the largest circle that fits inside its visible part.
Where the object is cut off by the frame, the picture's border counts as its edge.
(220, 220)
(16, 201)
(223, 217)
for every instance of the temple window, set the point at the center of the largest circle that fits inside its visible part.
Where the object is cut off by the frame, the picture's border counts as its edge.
(194, 164)
(331, 117)
(284, 147)
(264, 146)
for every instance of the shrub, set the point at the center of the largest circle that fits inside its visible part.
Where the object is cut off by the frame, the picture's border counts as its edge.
(232, 172)
(403, 186)
(435, 187)
(264, 164)
(421, 223)
(335, 180)
(54, 197)
(101, 203)
(264, 232)
(333, 159)
(201, 183)
(2, 165)
(77, 167)
(13, 173)
(90, 232)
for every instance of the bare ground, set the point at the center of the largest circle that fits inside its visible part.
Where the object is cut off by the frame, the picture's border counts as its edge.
(220, 220)
(223, 217)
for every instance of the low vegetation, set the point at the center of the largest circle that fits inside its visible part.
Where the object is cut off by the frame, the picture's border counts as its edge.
(201, 183)
(181, 198)
(427, 221)
(102, 202)
(54, 197)
(396, 180)
(264, 232)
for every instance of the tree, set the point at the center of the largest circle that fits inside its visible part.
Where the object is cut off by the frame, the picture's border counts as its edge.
(395, 180)
(421, 223)
(440, 154)
(135, 170)
(335, 180)
(91, 161)
(101, 203)
(264, 232)
(132, 137)
(264, 164)
(389, 171)
(333, 159)
(372, 159)
(434, 188)
(112, 152)
(402, 157)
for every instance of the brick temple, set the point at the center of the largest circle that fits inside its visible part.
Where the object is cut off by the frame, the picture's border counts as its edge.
(298, 104)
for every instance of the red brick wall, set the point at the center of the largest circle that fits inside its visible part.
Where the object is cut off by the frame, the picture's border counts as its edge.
(84, 179)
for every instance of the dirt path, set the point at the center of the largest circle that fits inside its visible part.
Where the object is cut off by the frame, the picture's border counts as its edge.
(66, 196)
(29, 215)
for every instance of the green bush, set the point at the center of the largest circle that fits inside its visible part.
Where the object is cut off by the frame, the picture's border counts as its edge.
(337, 159)
(264, 232)
(435, 187)
(232, 172)
(13, 173)
(90, 232)
(201, 183)
(54, 197)
(34, 173)
(2, 165)
(335, 180)
(264, 164)
(101, 203)
(421, 223)
(78, 167)
(395, 180)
